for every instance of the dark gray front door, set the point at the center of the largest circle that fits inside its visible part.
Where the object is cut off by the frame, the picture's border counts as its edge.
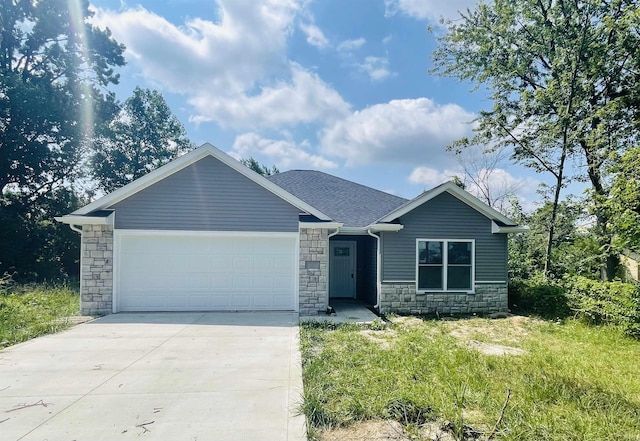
(342, 269)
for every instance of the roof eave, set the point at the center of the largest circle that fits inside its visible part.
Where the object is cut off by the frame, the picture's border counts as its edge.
(323, 225)
(496, 229)
(377, 227)
(71, 219)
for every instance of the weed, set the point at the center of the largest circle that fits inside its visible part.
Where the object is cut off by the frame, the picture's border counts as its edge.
(32, 310)
(572, 381)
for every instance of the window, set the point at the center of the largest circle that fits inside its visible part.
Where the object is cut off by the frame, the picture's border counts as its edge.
(445, 265)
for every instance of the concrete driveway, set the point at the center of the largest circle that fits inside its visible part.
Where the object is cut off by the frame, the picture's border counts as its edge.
(157, 376)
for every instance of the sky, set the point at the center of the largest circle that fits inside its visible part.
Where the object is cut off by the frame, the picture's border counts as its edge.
(341, 86)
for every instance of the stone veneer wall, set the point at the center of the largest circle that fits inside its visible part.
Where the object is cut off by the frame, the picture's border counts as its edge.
(402, 298)
(313, 271)
(96, 284)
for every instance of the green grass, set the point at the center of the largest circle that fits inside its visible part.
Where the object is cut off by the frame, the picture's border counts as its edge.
(574, 382)
(29, 311)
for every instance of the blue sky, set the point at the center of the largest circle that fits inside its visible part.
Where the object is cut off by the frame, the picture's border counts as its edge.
(340, 86)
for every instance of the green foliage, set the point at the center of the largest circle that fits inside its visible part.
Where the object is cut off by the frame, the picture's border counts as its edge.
(573, 251)
(33, 246)
(261, 169)
(624, 204)
(573, 382)
(30, 311)
(538, 296)
(53, 66)
(562, 79)
(606, 303)
(144, 136)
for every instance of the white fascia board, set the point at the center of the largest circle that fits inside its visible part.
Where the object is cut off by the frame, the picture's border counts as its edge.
(455, 191)
(374, 228)
(71, 219)
(322, 225)
(495, 228)
(186, 160)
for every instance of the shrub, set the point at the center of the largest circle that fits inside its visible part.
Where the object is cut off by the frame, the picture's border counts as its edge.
(538, 296)
(609, 303)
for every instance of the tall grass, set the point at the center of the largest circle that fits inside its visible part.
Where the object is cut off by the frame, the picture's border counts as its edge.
(29, 311)
(574, 382)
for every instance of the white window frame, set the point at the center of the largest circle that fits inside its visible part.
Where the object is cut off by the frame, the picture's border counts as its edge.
(445, 263)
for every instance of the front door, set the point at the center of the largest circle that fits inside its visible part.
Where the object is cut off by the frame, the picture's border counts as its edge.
(342, 269)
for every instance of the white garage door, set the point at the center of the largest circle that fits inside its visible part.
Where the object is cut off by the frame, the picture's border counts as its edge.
(198, 272)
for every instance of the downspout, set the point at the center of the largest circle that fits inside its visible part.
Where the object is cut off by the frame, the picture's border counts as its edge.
(378, 270)
(329, 266)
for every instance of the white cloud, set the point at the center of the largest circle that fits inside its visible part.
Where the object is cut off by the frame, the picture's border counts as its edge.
(376, 67)
(351, 45)
(306, 98)
(314, 34)
(491, 184)
(402, 131)
(235, 71)
(247, 43)
(285, 154)
(430, 10)
(431, 177)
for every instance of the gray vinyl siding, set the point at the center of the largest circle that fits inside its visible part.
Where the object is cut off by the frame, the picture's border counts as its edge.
(444, 217)
(207, 195)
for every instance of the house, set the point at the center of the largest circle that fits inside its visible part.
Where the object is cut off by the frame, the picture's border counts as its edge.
(205, 232)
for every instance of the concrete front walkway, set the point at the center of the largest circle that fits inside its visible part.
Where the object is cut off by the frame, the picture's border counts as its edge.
(157, 376)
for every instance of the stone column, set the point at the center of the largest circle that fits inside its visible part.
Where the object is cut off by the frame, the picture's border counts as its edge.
(96, 270)
(313, 270)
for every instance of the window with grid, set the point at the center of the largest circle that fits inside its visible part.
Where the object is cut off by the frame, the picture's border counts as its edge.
(445, 265)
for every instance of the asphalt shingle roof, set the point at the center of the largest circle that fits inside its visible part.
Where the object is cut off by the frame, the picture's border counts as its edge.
(344, 201)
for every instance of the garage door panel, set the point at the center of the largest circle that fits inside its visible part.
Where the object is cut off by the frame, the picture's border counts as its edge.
(200, 272)
(200, 264)
(220, 302)
(241, 300)
(221, 264)
(281, 283)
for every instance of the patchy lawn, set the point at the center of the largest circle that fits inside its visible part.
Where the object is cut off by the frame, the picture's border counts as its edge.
(29, 311)
(450, 379)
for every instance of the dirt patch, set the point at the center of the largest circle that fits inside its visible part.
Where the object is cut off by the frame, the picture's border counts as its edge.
(373, 430)
(386, 430)
(384, 338)
(407, 322)
(493, 349)
(504, 331)
(498, 335)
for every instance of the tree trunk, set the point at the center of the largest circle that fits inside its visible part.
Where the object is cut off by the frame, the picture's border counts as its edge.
(609, 264)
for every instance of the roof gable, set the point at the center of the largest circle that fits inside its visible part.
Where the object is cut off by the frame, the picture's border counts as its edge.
(184, 161)
(455, 191)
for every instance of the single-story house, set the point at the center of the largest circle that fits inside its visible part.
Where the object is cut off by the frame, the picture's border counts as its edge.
(204, 232)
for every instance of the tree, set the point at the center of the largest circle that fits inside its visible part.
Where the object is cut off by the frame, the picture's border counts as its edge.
(574, 249)
(259, 168)
(624, 204)
(144, 136)
(484, 177)
(53, 64)
(563, 78)
(33, 246)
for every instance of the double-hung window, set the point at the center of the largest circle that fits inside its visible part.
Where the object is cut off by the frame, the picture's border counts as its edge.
(445, 265)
